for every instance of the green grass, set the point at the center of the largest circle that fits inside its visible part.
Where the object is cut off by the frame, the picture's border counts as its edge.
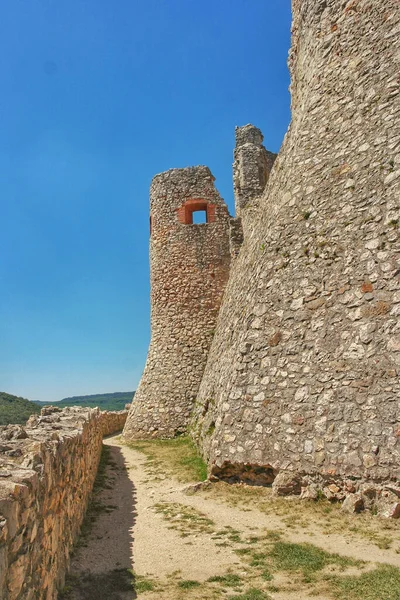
(253, 539)
(266, 575)
(383, 583)
(183, 518)
(143, 584)
(306, 558)
(251, 594)
(177, 457)
(188, 584)
(233, 535)
(275, 536)
(228, 580)
(258, 559)
(241, 551)
(319, 571)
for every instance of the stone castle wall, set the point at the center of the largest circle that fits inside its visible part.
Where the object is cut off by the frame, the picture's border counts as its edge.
(189, 265)
(302, 379)
(47, 471)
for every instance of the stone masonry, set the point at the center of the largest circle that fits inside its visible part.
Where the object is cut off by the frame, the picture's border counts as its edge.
(251, 168)
(189, 266)
(47, 471)
(301, 387)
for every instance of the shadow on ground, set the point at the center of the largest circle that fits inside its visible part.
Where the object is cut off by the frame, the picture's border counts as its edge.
(101, 567)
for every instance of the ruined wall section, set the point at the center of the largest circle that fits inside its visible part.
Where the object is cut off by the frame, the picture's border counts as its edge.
(252, 166)
(47, 471)
(189, 268)
(303, 374)
(251, 170)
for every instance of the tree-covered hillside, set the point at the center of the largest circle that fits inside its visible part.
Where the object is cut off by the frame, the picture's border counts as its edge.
(115, 401)
(16, 410)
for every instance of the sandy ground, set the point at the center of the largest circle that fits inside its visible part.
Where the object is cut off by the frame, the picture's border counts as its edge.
(134, 533)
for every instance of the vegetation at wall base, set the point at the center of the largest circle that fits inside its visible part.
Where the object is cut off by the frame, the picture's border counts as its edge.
(177, 456)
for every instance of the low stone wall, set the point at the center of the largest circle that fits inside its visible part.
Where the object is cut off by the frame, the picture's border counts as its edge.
(47, 471)
(112, 422)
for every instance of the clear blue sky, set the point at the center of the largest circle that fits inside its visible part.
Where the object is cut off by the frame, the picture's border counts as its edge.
(97, 97)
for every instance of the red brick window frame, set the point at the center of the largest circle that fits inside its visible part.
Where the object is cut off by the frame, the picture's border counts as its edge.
(185, 212)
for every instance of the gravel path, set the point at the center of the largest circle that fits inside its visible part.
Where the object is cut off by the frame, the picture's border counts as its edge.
(150, 525)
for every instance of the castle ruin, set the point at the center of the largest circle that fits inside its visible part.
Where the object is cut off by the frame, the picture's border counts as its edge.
(300, 385)
(275, 334)
(189, 266)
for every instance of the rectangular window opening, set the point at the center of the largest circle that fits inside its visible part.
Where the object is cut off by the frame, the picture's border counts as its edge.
(199, 216)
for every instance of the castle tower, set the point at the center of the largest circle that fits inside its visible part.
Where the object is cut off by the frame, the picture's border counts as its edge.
(189, 265)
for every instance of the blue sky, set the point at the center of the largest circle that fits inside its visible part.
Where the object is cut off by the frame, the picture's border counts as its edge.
(97, 97)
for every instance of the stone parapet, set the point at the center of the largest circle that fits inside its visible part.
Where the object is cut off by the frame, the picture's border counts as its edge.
(47, 471)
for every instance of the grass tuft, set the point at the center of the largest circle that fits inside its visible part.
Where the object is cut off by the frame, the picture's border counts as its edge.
(251, 594)
(228, 580)
(185, 519)
(177, 457)
(383, 583)
(144, 584)
(266, 575)
(306, 558)
(258, 559)
(188, 584)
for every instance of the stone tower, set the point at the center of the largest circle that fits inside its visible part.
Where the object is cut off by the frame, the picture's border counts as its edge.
(189, 266)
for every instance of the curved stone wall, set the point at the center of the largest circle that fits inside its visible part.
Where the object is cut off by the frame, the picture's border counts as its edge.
(303, 372)
(47, 471)
(189, 266)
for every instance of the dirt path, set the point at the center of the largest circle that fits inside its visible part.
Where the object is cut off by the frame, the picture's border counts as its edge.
(174, 543)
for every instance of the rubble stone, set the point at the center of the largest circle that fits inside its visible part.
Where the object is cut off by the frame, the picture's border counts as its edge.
(44, 496)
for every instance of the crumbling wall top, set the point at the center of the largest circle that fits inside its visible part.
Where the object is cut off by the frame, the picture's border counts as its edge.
(248, 134)
(252, 166)
(177, 193)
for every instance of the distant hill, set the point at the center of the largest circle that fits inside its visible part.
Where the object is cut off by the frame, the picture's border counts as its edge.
(115, 401)
(16, 410)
